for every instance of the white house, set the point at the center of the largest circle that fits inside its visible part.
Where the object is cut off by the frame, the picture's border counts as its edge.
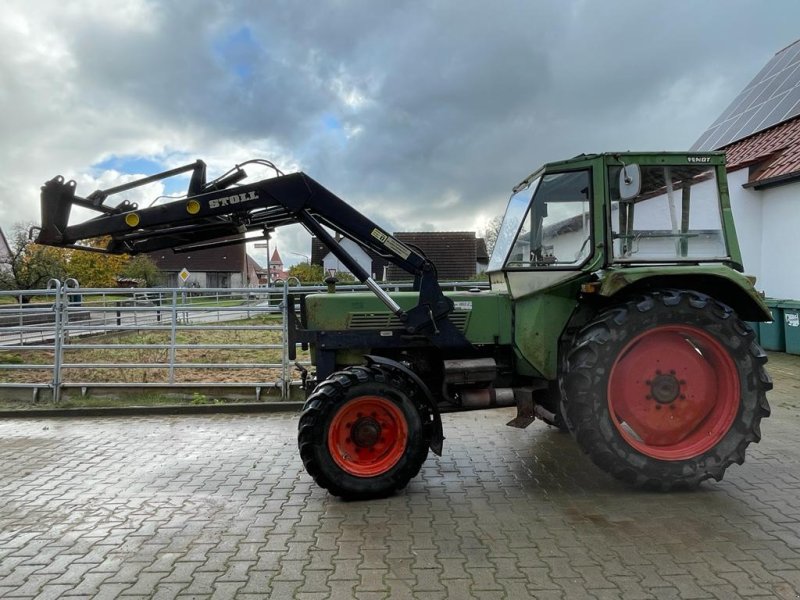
(760, 134)
(764, 182)
(330, 262)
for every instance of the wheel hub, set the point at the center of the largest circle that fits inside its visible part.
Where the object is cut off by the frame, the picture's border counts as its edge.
(366, 432)
(665, 388)
(368, 436)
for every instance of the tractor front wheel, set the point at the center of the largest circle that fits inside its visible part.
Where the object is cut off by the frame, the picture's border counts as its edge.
(364, 433)
(666, 390)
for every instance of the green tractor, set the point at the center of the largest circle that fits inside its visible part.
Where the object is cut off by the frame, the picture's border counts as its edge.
(617, 311)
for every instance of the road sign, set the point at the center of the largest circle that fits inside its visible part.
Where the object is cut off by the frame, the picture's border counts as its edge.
(184, 274)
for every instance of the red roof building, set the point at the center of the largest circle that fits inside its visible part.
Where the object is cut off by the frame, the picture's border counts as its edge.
(773, 156)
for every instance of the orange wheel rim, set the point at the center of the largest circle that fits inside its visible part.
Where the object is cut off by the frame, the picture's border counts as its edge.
(673, 392)
(368, 436)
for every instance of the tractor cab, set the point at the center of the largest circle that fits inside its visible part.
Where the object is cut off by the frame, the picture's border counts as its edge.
(592, 212)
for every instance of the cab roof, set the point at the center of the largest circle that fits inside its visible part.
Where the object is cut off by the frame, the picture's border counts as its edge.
(628, 157)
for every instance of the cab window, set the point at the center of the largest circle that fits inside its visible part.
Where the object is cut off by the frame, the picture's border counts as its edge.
(675, 216)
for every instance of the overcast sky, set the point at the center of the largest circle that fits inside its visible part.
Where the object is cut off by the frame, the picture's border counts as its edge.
(421, 114)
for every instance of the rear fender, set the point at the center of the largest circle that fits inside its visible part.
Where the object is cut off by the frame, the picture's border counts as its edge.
(725, 285)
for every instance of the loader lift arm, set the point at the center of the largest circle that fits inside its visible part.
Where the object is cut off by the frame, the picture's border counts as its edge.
(217, 209)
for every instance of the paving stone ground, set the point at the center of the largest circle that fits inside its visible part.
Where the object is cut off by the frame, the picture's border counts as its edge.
(220, 507)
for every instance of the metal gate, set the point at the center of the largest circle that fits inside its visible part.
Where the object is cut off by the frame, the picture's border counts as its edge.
(92, 335)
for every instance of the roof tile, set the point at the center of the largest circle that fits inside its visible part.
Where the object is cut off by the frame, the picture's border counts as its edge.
(453, 253)
(771, 153)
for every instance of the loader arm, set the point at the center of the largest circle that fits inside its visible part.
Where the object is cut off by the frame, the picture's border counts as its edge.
(217, 209)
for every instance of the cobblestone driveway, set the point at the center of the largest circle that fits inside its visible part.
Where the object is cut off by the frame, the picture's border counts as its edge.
(196, 507)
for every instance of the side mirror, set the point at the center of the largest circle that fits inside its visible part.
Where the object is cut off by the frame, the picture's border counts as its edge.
(630, 182)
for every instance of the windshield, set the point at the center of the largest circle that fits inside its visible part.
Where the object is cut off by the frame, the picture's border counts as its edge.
(556, 232)
(515, 213)
(553, 231)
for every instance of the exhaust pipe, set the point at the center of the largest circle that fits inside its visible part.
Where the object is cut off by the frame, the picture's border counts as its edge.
(487, 398)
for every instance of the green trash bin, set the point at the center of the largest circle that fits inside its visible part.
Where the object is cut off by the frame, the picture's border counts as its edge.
(791, 325)
(771, 333)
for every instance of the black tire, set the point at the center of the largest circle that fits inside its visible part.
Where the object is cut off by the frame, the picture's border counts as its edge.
(612, 339)
(399, 396)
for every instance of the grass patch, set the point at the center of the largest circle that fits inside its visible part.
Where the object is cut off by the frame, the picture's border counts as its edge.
(10, 358)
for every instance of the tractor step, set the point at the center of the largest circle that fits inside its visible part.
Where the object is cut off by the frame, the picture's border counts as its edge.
(527, 409)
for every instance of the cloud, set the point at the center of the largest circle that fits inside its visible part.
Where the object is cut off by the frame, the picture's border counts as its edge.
(421, 114)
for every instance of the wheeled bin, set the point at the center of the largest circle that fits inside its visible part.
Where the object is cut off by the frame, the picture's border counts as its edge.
(771, 333)
(791, 325)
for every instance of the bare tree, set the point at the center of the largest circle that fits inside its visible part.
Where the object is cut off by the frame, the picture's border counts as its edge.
(490, 231)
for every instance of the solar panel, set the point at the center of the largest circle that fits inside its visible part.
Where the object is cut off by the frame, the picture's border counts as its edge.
(772, 97)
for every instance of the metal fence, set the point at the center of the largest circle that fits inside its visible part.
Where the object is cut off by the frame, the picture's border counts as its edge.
(67, 339)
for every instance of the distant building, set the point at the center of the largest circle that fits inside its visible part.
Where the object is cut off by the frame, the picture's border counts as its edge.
(458, 255)
(256, 274)
(276, 269)
(224, 267)
(455, 253)
(481, 256)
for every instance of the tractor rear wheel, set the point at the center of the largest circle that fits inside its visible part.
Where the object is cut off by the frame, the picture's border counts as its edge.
(364, 433)
(666, 390)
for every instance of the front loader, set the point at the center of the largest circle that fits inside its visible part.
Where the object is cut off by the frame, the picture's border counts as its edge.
(617, 312)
